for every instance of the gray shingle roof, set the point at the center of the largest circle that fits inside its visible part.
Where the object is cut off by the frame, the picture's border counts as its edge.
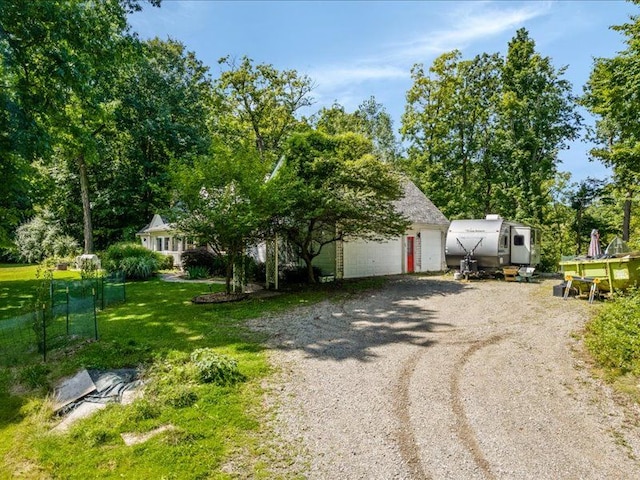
(417, 207)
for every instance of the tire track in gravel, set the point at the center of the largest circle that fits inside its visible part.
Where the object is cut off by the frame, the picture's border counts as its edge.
(463, 427)
(405, 434)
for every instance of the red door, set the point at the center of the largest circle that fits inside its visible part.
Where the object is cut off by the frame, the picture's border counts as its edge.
(410, 262)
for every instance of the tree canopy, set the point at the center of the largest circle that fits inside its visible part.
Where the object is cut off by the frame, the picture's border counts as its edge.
(484, 133)
(100, 129)
(59, 58)
(259, 102)
(611, 94)
(332, 187)
(225, 203)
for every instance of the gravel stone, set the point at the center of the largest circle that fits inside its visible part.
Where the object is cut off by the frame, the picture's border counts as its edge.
(429, 378)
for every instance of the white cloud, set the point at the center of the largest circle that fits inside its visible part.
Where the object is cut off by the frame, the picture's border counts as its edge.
(340, 75)
(471, 22)
(464, 24)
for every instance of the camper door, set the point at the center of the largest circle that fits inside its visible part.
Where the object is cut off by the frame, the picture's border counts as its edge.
(521, 243)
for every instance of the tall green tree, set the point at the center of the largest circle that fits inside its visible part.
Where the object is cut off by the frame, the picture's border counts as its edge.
(370, 119)
(61, 57)
(163, 105)
(449, 122)
(537, 119)
(484, 134)
(259, 103)
(332, 187)
(225, 203)
(15, 169)
(612, 95)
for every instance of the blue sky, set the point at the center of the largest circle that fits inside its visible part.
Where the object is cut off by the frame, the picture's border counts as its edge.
(355, 49)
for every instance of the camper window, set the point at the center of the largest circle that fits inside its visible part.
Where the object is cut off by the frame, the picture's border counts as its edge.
(518, 240)
(505, 241)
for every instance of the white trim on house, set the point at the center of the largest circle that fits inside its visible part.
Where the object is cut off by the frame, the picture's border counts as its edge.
(161, 236)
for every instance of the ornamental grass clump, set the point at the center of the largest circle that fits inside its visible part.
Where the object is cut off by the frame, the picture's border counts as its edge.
(613, 336)
(178, 380)
(197, 272)
(137, 262)
(215, 368)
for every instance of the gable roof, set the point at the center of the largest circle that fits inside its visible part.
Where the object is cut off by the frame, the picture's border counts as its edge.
(417, 207)
(157, 224)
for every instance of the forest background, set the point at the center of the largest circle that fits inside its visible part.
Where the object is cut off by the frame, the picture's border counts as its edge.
(100, 129)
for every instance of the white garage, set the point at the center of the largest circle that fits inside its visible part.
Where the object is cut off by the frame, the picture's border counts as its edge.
(369, 259)
(420, 249)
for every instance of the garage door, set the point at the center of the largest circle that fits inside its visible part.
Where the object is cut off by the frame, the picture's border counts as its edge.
(368, 259)
(432, 250)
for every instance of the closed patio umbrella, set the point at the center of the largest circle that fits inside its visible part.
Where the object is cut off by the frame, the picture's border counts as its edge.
(594, 245)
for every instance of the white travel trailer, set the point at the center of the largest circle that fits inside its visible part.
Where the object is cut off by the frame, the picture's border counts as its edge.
(491, 244)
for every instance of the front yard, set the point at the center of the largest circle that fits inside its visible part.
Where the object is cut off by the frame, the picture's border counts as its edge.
(156, 329)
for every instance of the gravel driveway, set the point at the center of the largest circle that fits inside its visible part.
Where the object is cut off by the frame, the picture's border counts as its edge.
(430, 378)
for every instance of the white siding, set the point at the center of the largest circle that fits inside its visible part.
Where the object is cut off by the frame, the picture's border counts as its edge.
(368, 259)
(431, 250)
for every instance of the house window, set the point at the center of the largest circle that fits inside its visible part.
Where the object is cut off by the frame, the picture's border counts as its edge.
(159, 244)
(166, 243)
(518, 240)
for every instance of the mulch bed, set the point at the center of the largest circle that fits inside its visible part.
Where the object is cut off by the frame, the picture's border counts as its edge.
(219, 297)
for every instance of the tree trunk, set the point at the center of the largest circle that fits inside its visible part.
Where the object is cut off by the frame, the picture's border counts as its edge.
(310, 276)
(229, 274)
(86, 205)
(578, 230)
(626, 222)
(307, 252)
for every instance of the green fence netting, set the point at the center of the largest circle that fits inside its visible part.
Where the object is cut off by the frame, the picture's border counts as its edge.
(69, 315)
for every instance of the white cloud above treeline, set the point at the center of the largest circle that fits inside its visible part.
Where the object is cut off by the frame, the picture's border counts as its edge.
(463, 25)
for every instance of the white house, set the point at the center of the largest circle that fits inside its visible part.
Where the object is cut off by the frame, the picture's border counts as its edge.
(420, 249)
(161, 236)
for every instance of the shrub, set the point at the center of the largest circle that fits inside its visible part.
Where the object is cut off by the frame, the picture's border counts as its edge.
(41, 237)
(292, 275)
(201, 257)
(65, 246)
(166, 262)
(254, 270)
(259, 273)
(138, 268)
(197, 272)
(134, 260)
(613, 336)
(9, 255)
(213, 367)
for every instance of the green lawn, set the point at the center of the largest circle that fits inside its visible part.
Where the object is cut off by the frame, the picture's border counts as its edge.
(18, 284)
(158, 327)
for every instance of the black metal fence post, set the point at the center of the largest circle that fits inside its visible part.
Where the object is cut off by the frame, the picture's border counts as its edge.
(95, 314)
(67, 309)
(44, 333)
